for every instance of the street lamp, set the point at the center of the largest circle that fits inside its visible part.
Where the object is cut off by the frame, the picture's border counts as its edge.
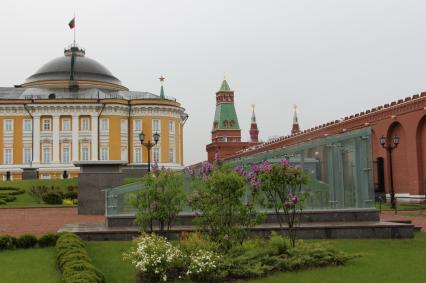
(389, 147)
(149, 145)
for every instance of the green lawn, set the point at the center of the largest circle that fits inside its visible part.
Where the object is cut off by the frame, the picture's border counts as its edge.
(28, 266)
(25, 200)
(402, 206)
(381, 261)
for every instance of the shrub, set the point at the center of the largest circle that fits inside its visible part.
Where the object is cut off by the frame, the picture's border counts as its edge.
(2, 202)
(156, 259)
(74, 262)
(205, 266)
(48, 240)
(192, 242)
(7, 242)
(52, 198)
(71, 195)
(37, 192)
(26, 241)
(161, 199)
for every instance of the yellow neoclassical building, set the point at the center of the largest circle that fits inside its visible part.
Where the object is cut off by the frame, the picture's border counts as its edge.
(74, 109)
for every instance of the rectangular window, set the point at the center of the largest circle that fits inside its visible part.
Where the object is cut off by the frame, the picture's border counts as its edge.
(124, 153)
(104, 153)
(155, 125)
(171, 155)
(66, 124)
(28, 155)
(8, 156)
(85, 124)
(46, 154)
(104, 124)
(28, 124)
(85, 152)
(156, 154)
(137, 125)
(123, 126)
(138, 155)
(66, 154)
(171, 126)
(8, 125)
(46, 125)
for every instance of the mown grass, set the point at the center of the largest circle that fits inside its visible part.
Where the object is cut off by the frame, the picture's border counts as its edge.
(28, 266)
(25, 200)
(387, 261)
(402, 206)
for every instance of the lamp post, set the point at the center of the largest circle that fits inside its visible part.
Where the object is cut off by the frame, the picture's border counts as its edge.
(389, 148)
(149, 145)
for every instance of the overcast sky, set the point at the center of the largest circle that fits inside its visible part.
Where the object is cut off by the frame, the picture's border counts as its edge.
(331, 58)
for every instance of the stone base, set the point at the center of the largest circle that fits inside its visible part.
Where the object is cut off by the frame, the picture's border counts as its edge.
(29, 174)
(327, 230)
(308, 216)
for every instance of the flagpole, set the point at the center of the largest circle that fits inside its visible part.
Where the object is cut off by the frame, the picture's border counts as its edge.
(74, 29)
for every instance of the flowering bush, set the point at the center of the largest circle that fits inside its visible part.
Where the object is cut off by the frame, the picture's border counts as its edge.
(204, 266)
(160, 201)
(218, 196)
(156, 259)
(281, 186)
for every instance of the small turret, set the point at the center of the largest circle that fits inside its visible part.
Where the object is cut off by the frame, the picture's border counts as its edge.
(295, 129)
(254, 132)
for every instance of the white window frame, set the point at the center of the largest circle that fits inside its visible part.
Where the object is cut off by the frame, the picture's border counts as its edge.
(8, 158)
(8, 125)
(137, 125)
(137, 155)
(27, 159)
(172, 155)
(82, 155)
(123, 125)
(46, 153)
(43, 124)
(85, 124)
(156, 129)
(68, 148)
(156, 154)
(104, 124)
(172, 127)
(104, 153)
(29, 123)
(68, 122)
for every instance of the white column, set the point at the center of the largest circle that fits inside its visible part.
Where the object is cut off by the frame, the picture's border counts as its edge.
(94, 138)
(55, 135)
(75, 135)
(36, 139)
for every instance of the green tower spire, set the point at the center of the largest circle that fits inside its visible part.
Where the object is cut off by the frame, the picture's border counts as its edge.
(225, 117)
(162, 96)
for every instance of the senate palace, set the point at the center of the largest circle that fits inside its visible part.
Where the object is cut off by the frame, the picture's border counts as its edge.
(74, 109)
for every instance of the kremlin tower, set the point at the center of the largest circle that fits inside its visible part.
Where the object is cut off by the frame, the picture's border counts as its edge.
(226, 132)
(254, 132)
(295, 129)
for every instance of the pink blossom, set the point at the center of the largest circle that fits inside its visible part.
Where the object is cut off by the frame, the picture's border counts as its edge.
(239, 170)
(285, 163)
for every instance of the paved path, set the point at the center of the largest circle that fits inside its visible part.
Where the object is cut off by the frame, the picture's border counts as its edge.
(418, 217)
(37, 221)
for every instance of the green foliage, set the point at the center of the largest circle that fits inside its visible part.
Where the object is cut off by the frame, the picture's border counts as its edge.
(223, 215)
(257, 258)
(37, 192)
(48, 240)
(74, 262)
(70, 195)
(8, 194)
(281, 185)
(3, 202)
(8, 242)
(156, 259)
(194, 241)
(52, 197)
(160, 201)
(26, 241)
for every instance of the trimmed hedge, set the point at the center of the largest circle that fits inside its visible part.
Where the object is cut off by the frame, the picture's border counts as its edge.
(26, 241)
(52, 198)
(74, 262)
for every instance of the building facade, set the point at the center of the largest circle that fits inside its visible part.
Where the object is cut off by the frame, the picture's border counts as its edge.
(74, 109)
